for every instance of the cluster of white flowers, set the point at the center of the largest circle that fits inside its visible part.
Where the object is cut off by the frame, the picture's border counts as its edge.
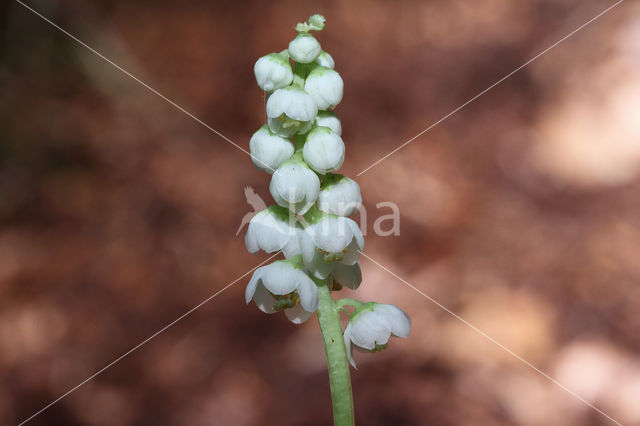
(301, 146)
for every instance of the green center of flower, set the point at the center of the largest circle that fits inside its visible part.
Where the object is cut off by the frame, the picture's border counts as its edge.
(288, 122)
(286, 301)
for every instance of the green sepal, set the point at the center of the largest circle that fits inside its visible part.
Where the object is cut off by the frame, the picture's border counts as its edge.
(314, 215)
(330, 179)
(364, 307)
(280, 212)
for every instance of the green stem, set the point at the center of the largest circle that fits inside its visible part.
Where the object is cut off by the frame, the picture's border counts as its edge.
(349, 302)
(298, 142)
(339, 379)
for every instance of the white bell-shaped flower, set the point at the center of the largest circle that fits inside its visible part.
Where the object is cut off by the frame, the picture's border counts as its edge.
(304, 48)
(323, 150)
(271, 230)
(325, 60)
(282, 285)
(347, 275)
(291, 110)
(325, 87)
(268, 150)
(339, 195)
(371, 326)
(272, 72)
(328, 240)
(295, 186)
(329, 119)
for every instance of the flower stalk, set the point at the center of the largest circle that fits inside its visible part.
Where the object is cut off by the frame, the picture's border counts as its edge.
(337, 362)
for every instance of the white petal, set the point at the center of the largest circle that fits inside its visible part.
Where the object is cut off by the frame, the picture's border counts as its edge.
(332, 234)
(325, 86)
(396, 319)
(357, 233)
(280, 277)
(276, 127)
(273, 72)
(292, 248)
(308, 292)
(323, 150)
(326, 60)
(368, 330)
(264, 300)
(253, 284)
(250, 240)
(307, 247)
(304, 48)
(292, 101)
(347, 344)
(297, 314)
(269, 151)
(329, 119)
(267, 232)
(352, 255)
(295, 187)
(341, 198)
(318, 267)
(348, 276)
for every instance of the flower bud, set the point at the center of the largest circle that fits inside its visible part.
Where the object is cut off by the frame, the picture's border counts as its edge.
(323, 150)
(325, 60)
(325, 86)
(329, 119)
(272, 72)
(371, 326)
(339, 195)
(295, 186)
(317, 22)
(269, 151)
(304, 48)
(290, 110)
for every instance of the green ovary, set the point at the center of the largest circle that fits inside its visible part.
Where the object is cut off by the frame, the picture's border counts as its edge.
(287, 301)
(288, 122)
(379, 348)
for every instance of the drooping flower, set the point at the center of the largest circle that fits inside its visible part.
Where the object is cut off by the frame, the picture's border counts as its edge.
(304, 48)
(325, 87)
(272, 72)
(329, 119)
(295, 186)
(268, 150)
(282, 285)
(371, 326)
(271, 230)
(328, 240)
(291, 110)
(323, 150)
(339, 195)
(325, 60)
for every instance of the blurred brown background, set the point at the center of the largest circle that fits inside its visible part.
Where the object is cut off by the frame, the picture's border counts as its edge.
(118, 212)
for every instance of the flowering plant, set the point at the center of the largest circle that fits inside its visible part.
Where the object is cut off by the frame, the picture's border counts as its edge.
(301, 146)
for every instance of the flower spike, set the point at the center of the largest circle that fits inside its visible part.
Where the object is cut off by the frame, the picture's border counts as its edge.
(301, 146)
